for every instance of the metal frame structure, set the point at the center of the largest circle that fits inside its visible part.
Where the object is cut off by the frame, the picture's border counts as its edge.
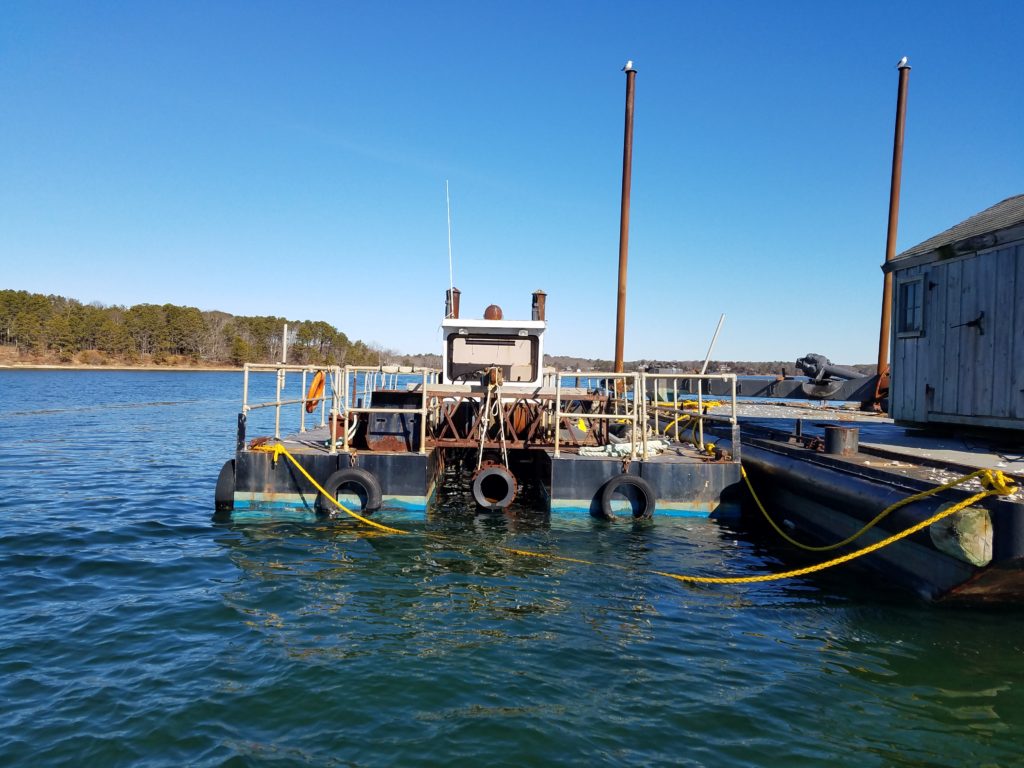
(536, 418)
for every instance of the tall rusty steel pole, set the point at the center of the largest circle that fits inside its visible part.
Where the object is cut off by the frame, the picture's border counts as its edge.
(627, 172)
(894, 212)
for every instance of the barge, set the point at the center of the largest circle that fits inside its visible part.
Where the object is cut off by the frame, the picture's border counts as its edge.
(820, 484)
(383, 440)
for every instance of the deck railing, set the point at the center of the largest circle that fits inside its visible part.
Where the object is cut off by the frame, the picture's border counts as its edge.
(331, 391)
(376, 378)
(348, 394)
(654, 406)
(347, 391)
(626, 402)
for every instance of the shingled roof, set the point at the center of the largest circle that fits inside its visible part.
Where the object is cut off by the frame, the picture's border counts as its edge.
(1008, 213)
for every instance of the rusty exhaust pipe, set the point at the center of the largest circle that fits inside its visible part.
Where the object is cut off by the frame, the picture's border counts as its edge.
(882, 368)
(627, 173)
(537, 309)
(451, 303)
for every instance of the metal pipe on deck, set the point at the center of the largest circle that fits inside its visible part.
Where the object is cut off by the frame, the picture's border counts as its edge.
(627, 172)
(882, 368)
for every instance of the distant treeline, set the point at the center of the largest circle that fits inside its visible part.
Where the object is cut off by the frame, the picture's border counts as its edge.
(745, 367)
(45, 328)
(56, 329)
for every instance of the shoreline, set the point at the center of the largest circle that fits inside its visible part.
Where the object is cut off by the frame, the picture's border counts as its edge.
(122, 367)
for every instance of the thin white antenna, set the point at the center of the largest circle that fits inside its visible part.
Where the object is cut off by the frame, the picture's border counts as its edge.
(451, 272)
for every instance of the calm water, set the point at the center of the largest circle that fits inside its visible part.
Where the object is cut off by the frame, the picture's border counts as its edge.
(137, 631)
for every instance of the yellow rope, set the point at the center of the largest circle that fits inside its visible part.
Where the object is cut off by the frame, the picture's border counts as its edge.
(994, 481)
(681, 417)
(838, 560)
(676, 421)
(279, 450)
(868, 526)
(687, 404)
(997, 484)
(560, 558)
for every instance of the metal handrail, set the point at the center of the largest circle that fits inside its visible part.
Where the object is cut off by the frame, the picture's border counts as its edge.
(282, 369)
(631, 412)
(426, 376)
(340, 395)
(699, 415)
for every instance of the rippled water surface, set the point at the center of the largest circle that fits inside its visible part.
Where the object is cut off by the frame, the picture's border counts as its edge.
(139, 631)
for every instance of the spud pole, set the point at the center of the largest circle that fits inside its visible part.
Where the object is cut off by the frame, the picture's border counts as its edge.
(627, 172)
(882, 368)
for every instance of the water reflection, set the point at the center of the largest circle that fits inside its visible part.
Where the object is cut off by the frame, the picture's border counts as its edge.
(335, 588)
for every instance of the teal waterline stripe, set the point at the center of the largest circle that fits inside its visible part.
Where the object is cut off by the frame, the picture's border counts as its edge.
(295, 500)
(396, 509)
(578, 511)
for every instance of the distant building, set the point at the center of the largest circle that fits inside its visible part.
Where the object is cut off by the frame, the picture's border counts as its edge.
(958, 324)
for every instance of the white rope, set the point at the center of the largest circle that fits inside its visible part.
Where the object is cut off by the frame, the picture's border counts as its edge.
(484, 426)
(500, 416)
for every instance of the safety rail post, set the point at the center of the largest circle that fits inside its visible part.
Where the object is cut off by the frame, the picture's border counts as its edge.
(639, 412)
(335, 419)
(643, 395)
(323, 403)
(277, 408)
(732, 415)
(345, 399)
(700, 411)
(638, 408)
(630, 414)
(281, 381)
(245, 388)
(675, 407)
(558, 412)
(423, 411)
(735, 433)
(332, 422)
(302, 410)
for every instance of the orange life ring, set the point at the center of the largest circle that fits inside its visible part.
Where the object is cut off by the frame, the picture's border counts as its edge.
(316, 391)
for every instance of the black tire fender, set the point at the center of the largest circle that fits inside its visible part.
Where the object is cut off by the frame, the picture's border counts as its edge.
(224, 493)
(362, 482)
(646, 499)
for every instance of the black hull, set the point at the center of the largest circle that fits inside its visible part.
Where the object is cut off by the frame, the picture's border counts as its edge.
(820, 499)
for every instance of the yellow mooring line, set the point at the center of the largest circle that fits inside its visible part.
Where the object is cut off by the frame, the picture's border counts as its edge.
(278, 450)
(994, 483)
(993, 479)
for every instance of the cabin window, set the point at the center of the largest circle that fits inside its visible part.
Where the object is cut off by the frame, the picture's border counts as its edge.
(910, 307)
(469, 356)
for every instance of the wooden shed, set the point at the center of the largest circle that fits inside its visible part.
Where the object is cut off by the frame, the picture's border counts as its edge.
(958, 324)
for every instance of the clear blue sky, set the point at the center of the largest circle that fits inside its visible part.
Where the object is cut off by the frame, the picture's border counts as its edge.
(290, 159)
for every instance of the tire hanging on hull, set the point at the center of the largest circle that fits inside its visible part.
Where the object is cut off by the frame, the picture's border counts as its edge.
(637, 491)
(358, 481)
